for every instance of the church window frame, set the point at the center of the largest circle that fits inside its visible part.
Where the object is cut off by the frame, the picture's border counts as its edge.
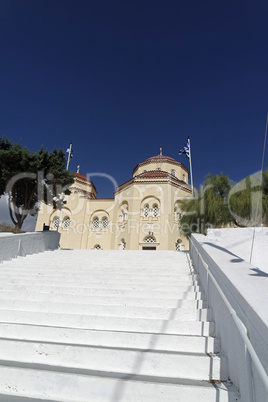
(155, 210)
(95, 222)
(55, 223)
(146, 210)
(66, 223)
(105, 222)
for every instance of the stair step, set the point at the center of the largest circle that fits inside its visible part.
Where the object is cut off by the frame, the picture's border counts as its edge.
(108, 323)
(131, 340)
(195, 366)
(180, 292)
(65, 387)
(83, 325)
(110, 300)
(188, 314)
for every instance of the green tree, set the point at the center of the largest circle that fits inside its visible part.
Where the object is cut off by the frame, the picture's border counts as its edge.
(265, 197)
(29, 177)
(212, 206)
(218, 203)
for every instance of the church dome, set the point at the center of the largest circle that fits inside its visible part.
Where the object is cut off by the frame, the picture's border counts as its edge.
(161, 158)
(158, 162)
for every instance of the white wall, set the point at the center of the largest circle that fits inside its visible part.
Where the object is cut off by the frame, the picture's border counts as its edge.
(13, 245)
(246, 289)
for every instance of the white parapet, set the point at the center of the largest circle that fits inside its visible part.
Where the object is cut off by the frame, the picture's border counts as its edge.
(245, 286)
(22, 244)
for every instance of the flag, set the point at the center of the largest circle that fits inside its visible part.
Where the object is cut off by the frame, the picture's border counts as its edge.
(185, 150)
(70, 152)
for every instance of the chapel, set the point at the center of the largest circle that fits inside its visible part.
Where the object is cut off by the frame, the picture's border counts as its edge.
(144, 213)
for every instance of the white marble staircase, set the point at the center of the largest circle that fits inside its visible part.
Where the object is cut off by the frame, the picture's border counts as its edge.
(82, 325)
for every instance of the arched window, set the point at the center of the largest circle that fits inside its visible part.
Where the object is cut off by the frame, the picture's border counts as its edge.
(146, 210)
(173, 172)
(155, 210)
(55, 222)
(105, 222)
(178, 245)
(97, 247)
(66, 222)
(149, 239)
(183, 177)
(95, 222)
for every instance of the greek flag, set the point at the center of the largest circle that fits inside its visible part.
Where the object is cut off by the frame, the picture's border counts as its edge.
(70, 152)
(185, 150)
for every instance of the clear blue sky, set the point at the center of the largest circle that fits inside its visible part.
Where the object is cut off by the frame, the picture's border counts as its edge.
(119, 78)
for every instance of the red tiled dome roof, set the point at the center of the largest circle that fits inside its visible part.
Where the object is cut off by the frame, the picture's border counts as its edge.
(160, 157)
(154, 173)
(81, 176)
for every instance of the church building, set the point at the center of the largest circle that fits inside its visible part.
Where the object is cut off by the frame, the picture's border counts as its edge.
(143, 215)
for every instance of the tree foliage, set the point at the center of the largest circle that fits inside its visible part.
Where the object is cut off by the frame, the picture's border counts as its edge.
(265, 197)
(28, 177)
(219, 203)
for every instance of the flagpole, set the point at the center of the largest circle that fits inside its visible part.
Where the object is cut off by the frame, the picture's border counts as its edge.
(69, 156)
(191, 172)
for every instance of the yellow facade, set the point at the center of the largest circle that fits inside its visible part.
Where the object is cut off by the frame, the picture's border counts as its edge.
(144, 213)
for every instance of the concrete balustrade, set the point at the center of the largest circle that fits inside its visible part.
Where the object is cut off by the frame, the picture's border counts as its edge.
(245, 287)
(22, 244)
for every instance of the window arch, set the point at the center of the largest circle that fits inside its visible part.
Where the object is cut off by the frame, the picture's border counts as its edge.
(173, 172)
(149, 239)
(97, 247)
(184, 177)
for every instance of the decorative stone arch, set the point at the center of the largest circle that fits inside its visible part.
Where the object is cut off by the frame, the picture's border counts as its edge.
(57, 217)
(149, 239)
(150, 206)
(99, 219)
(149, 243)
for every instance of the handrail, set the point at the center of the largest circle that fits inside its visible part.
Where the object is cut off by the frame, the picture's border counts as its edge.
(239, 324)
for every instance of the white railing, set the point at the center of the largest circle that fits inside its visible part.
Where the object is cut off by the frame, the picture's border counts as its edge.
(250, 353)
